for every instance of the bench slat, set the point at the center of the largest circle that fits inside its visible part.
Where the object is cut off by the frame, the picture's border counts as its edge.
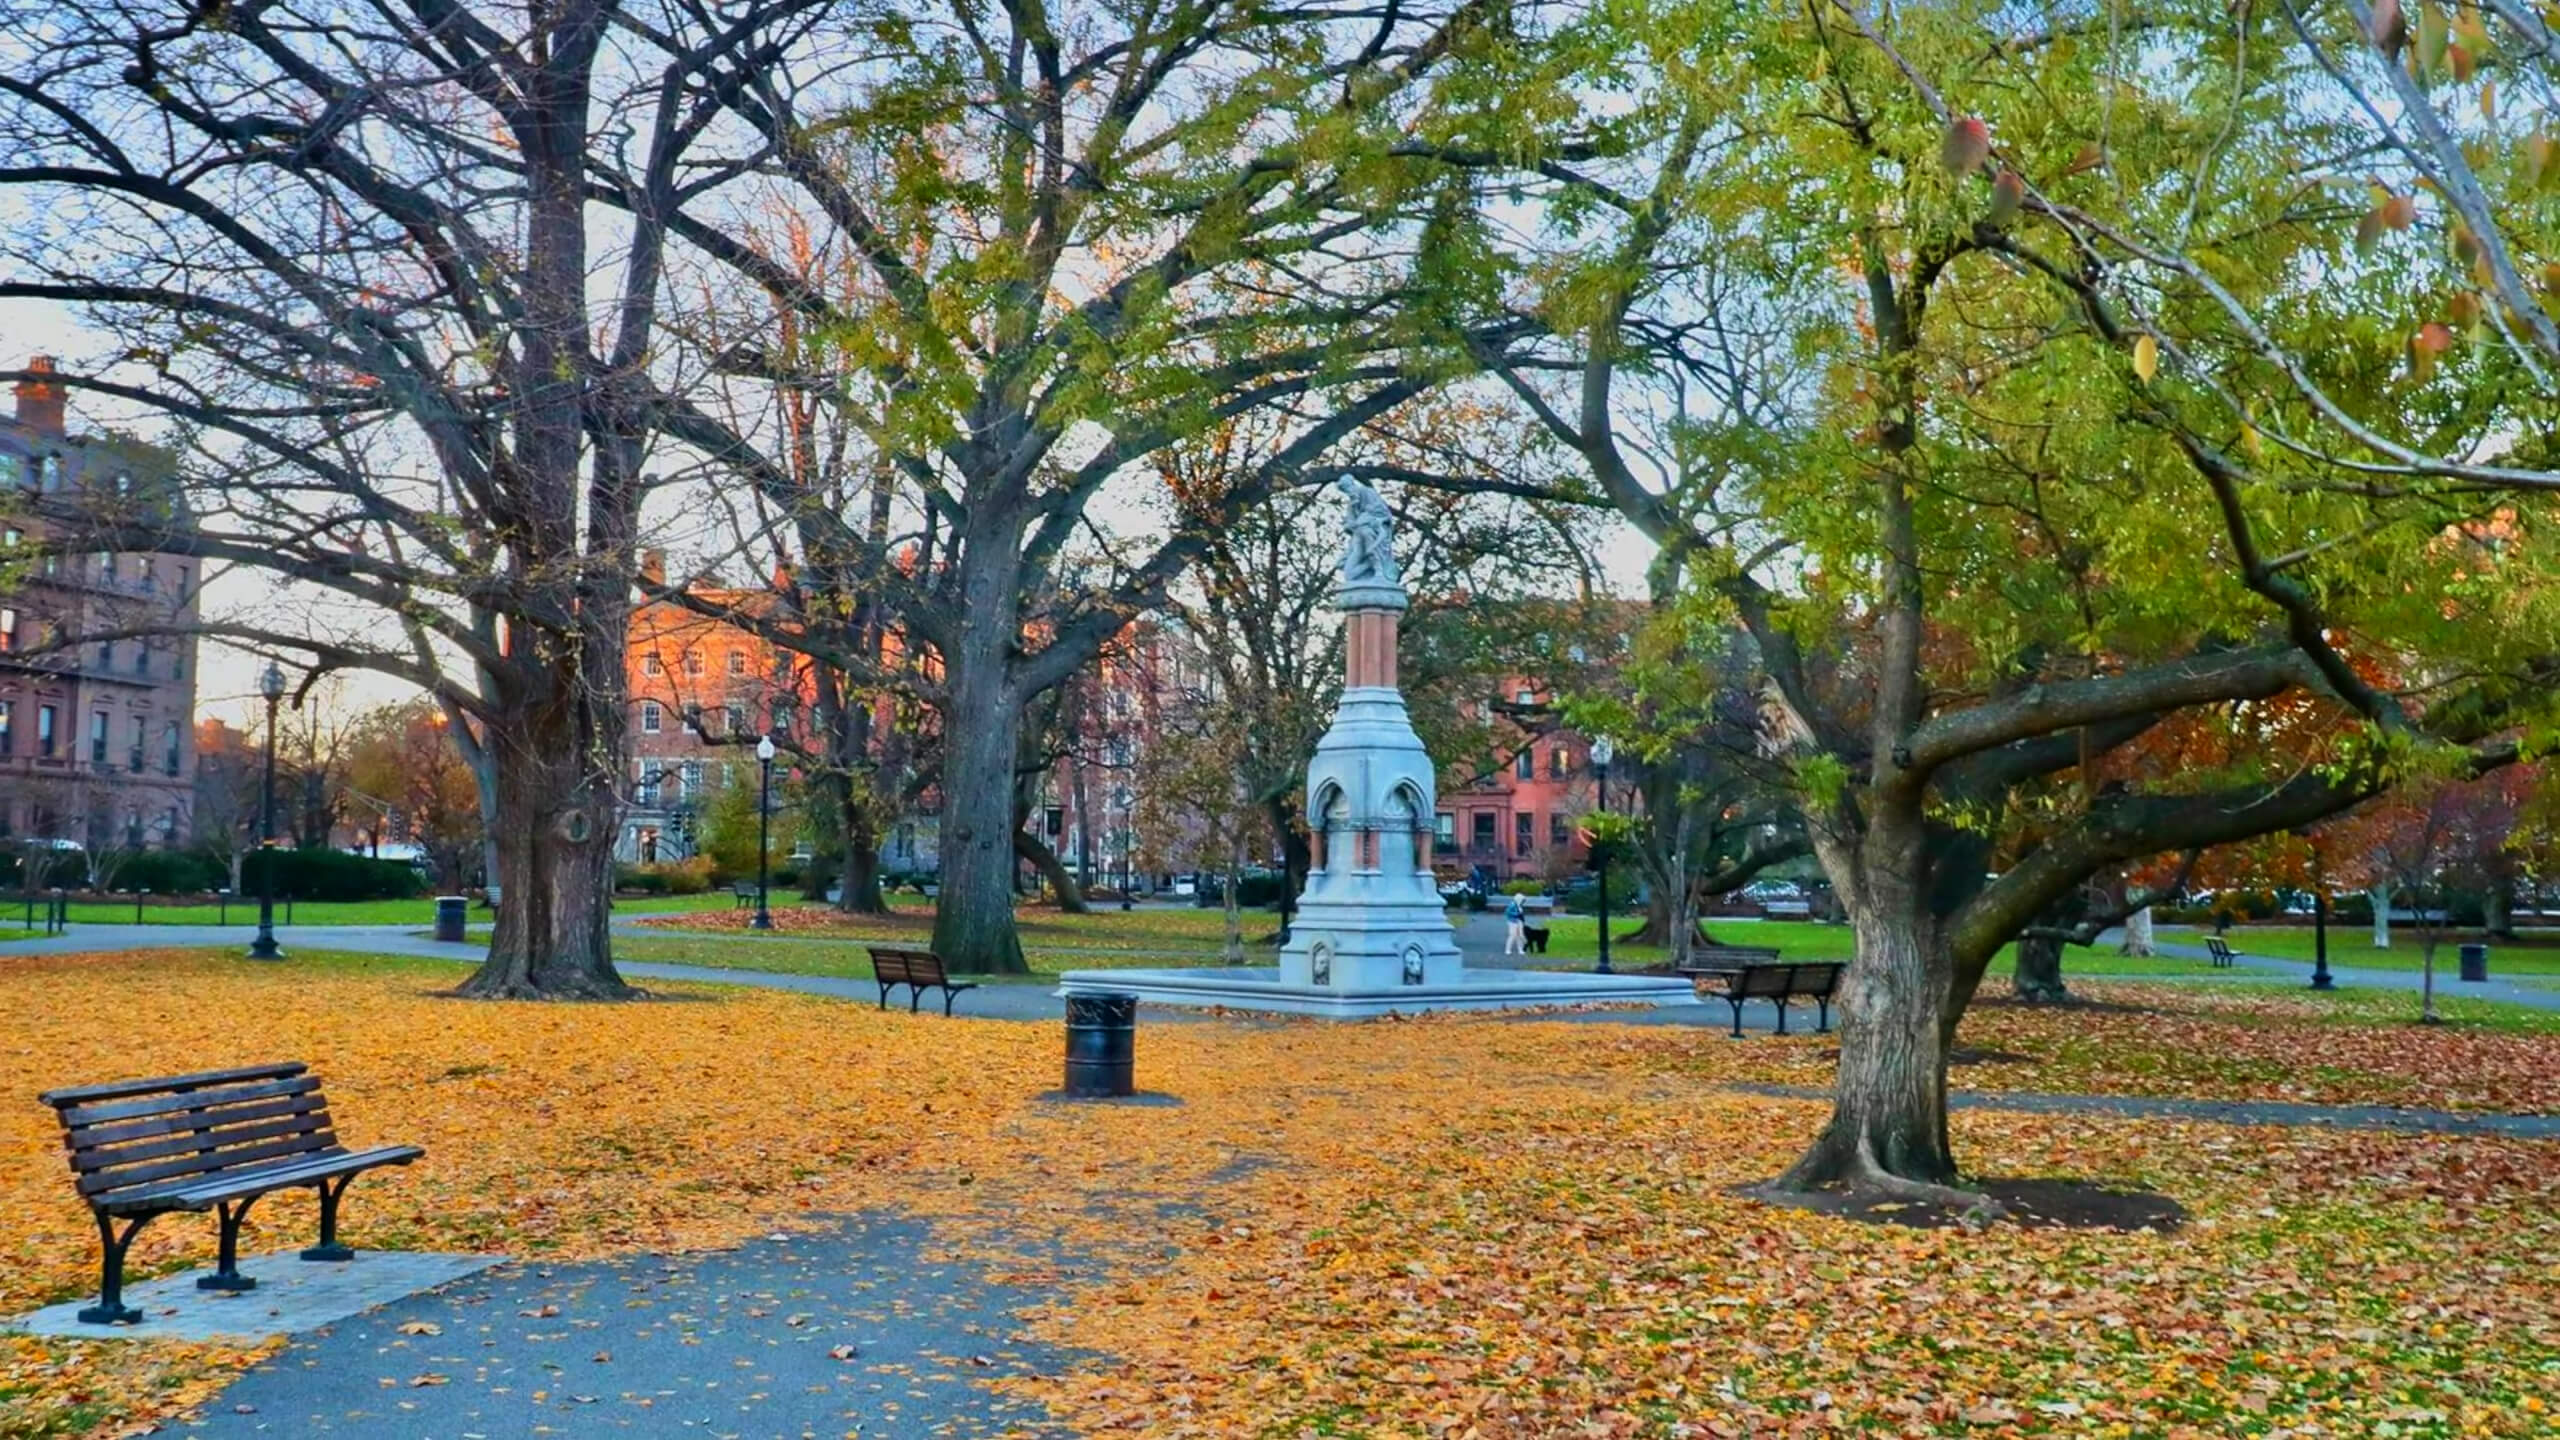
(306, 1118)
(207, 1193)
(82, 1116)
(202, 1079)
(236, 1157)
(96, 1137)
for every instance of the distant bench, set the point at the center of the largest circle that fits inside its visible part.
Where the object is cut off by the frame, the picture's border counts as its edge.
(215, 1140)
(2220, 950)
(916, 968)
(1776, 983)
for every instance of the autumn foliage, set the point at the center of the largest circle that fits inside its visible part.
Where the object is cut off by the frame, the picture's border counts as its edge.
(1438, 1228)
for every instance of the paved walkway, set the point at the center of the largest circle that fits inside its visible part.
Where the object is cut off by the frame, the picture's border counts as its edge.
(2227, 1112)
(851, 1330)
(2505, 992)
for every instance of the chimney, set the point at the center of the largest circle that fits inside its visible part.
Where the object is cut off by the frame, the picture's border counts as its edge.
(40, 401)
(653, 566)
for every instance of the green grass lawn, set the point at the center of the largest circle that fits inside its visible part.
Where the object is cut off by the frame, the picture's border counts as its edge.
(1576, 938)
(244, 911)
(2537, 953)
(13, 933)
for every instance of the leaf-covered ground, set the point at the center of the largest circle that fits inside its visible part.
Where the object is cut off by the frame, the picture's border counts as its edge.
(1397, 1229)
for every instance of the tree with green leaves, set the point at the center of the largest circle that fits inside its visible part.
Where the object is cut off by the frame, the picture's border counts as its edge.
(1824, 333)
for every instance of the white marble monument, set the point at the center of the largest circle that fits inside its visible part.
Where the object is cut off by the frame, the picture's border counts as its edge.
(1371, 935)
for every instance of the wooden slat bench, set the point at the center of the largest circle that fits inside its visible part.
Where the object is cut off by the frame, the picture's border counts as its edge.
(2220, 950)
(1777, 984)
(1712, 959)
(916, 968)
(742, 896)
(217, 1140)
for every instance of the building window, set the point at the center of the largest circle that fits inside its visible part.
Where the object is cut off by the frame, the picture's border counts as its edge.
(171, 754)
(737, 662)
(1524, 766)
(1524, 833)
(1559, 830)
(169, 828)
(107, 655)
(1558, 766)
(142, 659)
(1525, 697)
(182, 584)
(649, 665)
(12, 537)
(689, 780)
(693, 662)
(133, 752)
(652, 717)
(8, 727)
(98, 738)
(8, 630)
(106, 568)
(44, 731)
(650, 771)
(1480, 832)
(1444, 831)
(49, 472)
(133, 829)
(781, 716)
(735, 718)
(13, 471)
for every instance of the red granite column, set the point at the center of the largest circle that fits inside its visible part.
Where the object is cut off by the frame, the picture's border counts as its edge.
(1369, 648)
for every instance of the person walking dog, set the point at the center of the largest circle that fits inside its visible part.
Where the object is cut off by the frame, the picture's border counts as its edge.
(1515, 940)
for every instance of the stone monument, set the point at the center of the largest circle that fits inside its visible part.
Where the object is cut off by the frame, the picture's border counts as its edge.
(1372, 933)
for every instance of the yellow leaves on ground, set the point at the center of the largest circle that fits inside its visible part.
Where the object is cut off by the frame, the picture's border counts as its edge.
(1435, 1228)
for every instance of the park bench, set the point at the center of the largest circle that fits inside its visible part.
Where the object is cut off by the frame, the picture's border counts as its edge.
(1713, 959)
(2220, 949)
(916, 968)
(1777, 984)
(744, 894)
(216, 1140)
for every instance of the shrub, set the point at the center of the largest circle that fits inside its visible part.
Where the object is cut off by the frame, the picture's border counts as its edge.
(169, 872)
(639, 879)
(330, 875)
(1523, 887)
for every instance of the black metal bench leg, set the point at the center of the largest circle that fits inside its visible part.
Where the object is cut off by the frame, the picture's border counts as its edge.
(329, 1249)
(1736, 1003)
(885, 987)
(226, 1266)
(111, 1309)
(1825, 1027)
(1781, 1003)
(915, 997)
(948, 995)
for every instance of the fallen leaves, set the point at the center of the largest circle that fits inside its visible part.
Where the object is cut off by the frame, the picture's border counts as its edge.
(1450, 1226)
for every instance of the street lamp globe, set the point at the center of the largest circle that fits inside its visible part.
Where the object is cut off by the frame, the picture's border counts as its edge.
(271, 684)
(1602, 752)
(764, 749)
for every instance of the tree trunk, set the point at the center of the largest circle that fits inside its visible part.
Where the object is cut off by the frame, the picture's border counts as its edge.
(861, 870)
(2497, 911)
(1235, 910)
(2380, 895)
(555, 865)
(2039, 977)
(1656, 929)
(2137, 933)
(1052, 868)
(973, 927)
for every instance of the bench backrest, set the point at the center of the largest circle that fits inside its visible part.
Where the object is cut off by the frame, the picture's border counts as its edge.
(1708, 957)
(905, 965)
(135, 1134)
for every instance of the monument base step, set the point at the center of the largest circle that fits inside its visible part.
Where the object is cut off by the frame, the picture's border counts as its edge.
(1259, 988)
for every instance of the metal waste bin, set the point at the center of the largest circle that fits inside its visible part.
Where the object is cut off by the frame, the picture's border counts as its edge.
(2475, 964)
(1102, 1045)
(451, 913)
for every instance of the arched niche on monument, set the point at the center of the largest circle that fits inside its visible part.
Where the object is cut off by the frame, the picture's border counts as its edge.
(1331, 813)
(1404, 815)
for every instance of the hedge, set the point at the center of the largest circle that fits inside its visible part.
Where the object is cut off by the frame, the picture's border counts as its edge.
(330, 875)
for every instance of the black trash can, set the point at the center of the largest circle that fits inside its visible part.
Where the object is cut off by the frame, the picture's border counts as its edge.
(451, 913)
(2475, 963)
(1102, 1046)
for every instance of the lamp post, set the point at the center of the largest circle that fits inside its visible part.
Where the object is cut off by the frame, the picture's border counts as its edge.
(271, 685)
(1601, 753)
(2320, 977)
(764, 821)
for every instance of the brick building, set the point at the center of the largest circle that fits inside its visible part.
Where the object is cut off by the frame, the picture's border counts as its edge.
(97, 742)
(1522, 820)
(702, 692)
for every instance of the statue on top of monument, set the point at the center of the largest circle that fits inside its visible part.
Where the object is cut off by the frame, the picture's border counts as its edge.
(1369, 551)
